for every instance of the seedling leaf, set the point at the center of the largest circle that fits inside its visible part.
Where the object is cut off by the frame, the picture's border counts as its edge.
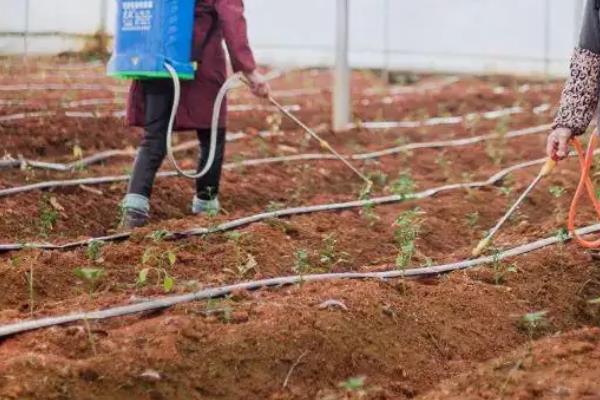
(89, 274)
(143, 276)
(146, 256)
(159, 235)
(168, 283)
(353, 384)
(172, 258)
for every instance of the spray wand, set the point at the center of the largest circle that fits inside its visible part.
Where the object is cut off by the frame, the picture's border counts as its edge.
(585, 185)
(324, 144)
(545, 171)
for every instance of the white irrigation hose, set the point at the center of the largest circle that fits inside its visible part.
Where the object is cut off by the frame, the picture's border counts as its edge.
(23, 163)
(300, 157)
(238, 223)
(169, 301)
(261, 161)
(10, 162)
(104, 155)
(372, 125)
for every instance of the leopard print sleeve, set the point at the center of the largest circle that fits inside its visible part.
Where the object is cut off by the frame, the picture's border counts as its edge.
(580, 95)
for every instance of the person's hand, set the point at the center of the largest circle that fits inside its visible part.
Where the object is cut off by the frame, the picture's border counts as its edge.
(557, 146)
(258, 85)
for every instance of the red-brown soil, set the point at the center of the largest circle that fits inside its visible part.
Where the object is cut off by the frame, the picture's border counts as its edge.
(404, 338)
(559, 367)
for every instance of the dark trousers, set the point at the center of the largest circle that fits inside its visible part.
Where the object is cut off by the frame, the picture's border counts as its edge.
(153, 149)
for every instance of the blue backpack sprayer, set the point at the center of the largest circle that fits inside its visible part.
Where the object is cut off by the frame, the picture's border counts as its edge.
(153, 40)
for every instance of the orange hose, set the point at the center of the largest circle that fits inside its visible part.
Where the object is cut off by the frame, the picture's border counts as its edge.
(585, 162)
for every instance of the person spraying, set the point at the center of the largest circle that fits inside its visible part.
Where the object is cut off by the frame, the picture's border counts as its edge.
(150, 102)
(579, 99)
(579, 103)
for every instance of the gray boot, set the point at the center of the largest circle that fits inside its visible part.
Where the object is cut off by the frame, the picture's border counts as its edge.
(210, 207)
(133, 219)
(136, 210)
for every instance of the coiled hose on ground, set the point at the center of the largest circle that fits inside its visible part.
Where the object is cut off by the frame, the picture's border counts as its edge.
(586, 160)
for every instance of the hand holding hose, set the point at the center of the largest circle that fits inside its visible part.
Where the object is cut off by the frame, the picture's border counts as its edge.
(257, 84)
(557, 146)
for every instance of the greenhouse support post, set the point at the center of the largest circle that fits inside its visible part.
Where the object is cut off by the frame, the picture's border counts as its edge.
(341, 91)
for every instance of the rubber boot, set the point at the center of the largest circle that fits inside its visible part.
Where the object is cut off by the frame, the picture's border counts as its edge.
(210, 207)
(136, 209)
(133, 218)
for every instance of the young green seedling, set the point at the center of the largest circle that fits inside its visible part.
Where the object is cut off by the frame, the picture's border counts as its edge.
(274, 122)
(219, 307)
(90, 276)
(328, 256)
(163, 277)
(557, 192)
(507, 185)
(159, 235)
(443, 110)
(263, 147)
(275, 206)
(156, 259)
(502, 127)
(243, 265)
(90, 334)
(472, 219)
(29, 278)
(368, 209)
(404, 185)
(501, 269)
(408, 225)
(563, 235)
(533, 323)
(495, 153)
(468, 177)
(78, 154)
(472, 121)
(120, 215)
(302, 264)
(47, 216)
(353, 384)
(17, 262)
(495, 149)
(94, 250)
(444, 165)
(378, 177)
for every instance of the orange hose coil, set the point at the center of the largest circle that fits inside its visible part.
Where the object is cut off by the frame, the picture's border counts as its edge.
(585, 183)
